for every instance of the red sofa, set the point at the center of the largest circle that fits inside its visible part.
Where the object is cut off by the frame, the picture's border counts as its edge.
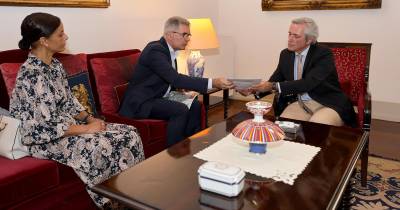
(29, 183)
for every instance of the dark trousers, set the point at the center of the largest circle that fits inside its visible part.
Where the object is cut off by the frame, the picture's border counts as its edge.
(182, 122)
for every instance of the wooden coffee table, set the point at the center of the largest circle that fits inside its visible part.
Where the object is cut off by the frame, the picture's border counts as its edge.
(169, 180)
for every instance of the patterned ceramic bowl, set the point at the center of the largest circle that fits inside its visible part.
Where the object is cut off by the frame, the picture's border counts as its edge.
(258, 132)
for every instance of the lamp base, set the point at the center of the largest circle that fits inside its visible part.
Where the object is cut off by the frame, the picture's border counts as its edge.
(258, 148)
(195, 63)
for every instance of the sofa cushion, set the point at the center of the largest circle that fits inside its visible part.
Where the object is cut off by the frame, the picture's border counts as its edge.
(78, 79)
(73, 64)
(120, 91)
(109, 73)
(81, 89)
(26, 177)
(9, 72)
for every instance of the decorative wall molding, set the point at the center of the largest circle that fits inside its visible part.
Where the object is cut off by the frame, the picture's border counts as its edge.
(57, 3)
(280, 5)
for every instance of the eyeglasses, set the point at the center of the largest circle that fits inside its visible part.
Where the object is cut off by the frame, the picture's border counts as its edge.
(184, 35)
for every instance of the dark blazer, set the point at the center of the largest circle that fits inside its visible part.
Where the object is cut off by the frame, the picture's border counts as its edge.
(320, 81)
(152, 76)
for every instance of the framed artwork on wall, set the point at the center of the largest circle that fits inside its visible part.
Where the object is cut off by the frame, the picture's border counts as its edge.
(57, 3)
(276, 5)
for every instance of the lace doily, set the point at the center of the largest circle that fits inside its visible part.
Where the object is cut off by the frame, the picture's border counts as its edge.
(284, 160)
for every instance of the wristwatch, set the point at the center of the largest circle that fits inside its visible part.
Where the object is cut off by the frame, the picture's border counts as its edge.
(274, 86)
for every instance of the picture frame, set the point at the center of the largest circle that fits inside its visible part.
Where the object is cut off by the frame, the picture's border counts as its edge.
(57, 3)
(281, 5)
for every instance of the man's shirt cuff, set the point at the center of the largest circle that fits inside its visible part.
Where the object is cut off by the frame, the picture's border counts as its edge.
(278, 87)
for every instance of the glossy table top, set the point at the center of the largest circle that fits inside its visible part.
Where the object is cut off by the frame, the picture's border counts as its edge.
(169, 179)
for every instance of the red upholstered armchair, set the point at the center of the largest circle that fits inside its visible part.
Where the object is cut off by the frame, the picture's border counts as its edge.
(109, 72)
(352, 64)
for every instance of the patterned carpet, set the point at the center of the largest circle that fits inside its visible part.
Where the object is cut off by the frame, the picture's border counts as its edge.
(383, 187)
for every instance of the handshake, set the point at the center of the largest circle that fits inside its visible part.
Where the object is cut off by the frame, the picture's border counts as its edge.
(244, 86)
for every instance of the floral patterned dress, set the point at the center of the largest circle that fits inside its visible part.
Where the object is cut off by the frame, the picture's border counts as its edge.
(43, 101)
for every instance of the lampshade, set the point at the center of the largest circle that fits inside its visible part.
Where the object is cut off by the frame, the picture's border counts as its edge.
(203, 34)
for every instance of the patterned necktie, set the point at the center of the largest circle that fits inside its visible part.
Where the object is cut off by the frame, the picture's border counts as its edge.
(299, 76)
(299, 66)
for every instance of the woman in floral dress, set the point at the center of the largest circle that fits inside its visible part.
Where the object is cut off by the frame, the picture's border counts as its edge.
(54, 124)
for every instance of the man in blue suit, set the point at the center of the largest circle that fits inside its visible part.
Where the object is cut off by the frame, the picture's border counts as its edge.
(156, 75)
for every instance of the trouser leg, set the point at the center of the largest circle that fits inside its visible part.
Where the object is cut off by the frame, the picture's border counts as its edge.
(194, 119)
(176, 115)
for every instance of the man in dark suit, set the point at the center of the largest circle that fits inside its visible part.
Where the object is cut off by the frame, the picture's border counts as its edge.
(156, 75)
(306, 76)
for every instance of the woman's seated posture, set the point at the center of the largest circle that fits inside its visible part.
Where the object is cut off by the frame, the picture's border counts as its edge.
(54, 124)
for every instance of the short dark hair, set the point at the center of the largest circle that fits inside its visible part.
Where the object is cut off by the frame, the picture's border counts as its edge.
(37, 25)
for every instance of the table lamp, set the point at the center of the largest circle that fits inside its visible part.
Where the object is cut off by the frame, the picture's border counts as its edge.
(203, 37)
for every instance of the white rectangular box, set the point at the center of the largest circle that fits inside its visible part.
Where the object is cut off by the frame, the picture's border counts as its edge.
(221, 178)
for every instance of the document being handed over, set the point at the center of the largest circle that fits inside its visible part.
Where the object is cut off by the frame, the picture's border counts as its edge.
(243, 84)
(182, 96)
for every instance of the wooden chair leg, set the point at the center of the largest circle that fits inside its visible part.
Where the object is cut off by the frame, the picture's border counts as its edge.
(364, 164)
(225, 100)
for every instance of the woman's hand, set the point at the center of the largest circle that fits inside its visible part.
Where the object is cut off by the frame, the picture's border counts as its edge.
(96, 125)
(91, 119)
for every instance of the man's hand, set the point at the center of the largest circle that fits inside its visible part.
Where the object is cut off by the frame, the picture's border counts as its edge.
(245, 92)
(222, 83)
(263, 86)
